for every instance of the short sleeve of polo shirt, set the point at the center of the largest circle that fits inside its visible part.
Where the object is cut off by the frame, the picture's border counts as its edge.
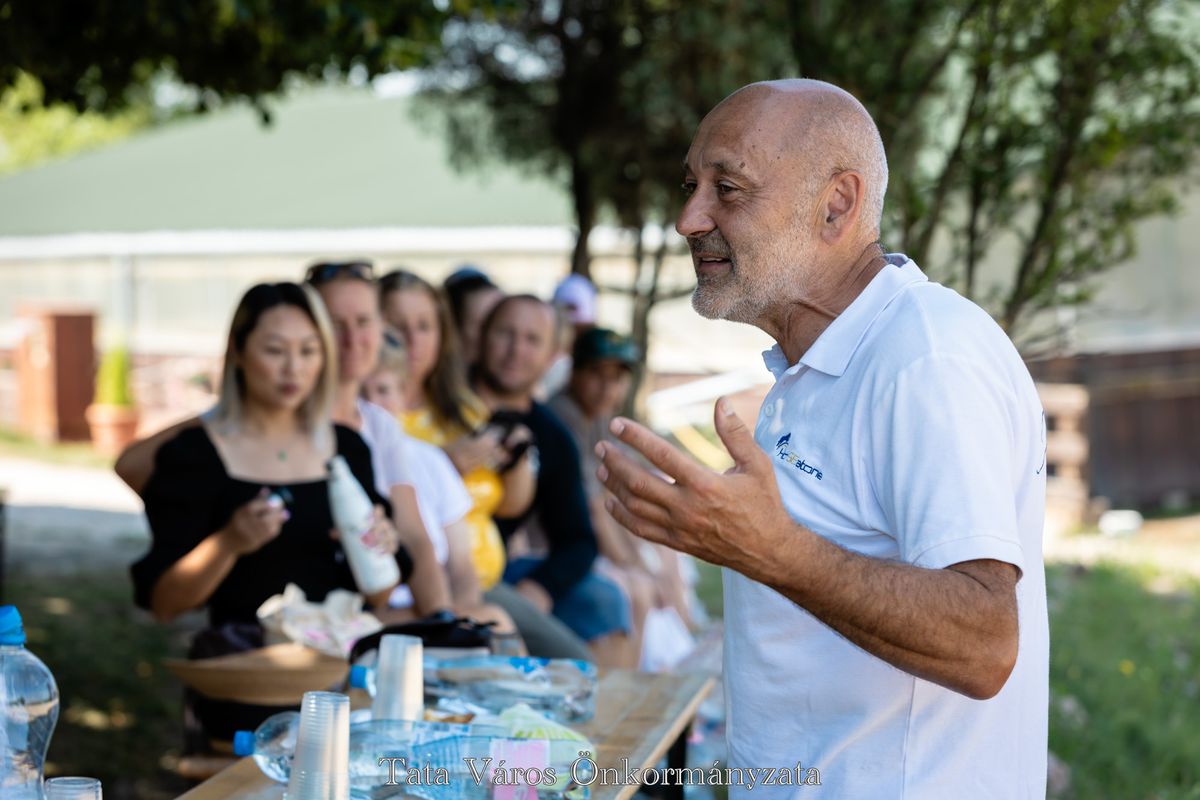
(943, 463)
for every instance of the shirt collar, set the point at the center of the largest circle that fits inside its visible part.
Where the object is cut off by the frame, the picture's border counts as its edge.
(833, 349)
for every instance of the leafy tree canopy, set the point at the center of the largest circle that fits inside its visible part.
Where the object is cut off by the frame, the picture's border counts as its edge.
(103, 54)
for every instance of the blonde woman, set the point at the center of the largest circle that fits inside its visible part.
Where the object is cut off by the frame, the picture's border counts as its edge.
(440, 408)
(238, 505)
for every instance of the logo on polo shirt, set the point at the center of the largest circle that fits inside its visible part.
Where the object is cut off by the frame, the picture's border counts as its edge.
(788, 457)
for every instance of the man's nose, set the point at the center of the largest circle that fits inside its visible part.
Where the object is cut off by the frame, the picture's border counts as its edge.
(694, 218)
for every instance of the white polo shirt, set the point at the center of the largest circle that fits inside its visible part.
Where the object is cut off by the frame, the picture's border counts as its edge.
(909, 431)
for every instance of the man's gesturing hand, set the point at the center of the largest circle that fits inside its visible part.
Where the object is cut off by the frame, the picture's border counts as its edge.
(736, 519)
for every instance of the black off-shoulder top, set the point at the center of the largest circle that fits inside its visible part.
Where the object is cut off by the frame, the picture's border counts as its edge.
(191, 496)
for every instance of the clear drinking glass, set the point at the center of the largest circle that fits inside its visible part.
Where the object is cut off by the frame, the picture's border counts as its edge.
(73, 789)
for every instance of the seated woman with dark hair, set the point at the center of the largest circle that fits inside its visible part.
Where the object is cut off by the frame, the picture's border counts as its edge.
(238, 506)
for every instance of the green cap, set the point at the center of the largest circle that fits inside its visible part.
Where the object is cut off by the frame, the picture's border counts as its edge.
(601, 344)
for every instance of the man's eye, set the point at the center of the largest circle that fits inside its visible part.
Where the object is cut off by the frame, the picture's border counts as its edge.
(689, 187)
(725, 188)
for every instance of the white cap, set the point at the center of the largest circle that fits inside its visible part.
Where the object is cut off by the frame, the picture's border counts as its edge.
(577, 295)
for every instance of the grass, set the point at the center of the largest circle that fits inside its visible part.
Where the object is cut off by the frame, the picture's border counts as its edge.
(1124, 679)
(1125, 682)
(1176, 512)
(120, 711)
(78, 454)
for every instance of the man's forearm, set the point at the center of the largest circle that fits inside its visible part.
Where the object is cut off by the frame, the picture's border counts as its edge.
(956, 627)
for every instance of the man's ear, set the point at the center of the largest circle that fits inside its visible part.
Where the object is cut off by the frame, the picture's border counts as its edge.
(842, 204)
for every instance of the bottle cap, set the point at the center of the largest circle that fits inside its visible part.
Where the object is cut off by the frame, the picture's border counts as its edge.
(12, 631)
(358, 677)
(243, 743)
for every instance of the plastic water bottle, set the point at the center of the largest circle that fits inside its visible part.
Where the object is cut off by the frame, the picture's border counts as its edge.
(354, 516)
(29, 700)
(272, 744)
(561, 688)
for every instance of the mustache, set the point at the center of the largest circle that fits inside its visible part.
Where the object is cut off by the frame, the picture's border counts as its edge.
(711, 243)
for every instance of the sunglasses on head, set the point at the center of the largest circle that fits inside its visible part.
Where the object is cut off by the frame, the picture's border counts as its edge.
(331, 270)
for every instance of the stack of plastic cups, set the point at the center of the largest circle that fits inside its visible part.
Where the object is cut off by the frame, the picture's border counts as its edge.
(399, 679)
(73, 789)
(321, 766)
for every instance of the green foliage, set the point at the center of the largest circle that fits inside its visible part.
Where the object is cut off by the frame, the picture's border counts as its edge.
(1027, 138)
(603, 96)
(1028, 135)
(104, 54)
(1035, 133)
(32, 132)
(112, 379)
(14, 444)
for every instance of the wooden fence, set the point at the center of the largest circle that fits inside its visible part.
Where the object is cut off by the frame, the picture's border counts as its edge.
(1142, 425)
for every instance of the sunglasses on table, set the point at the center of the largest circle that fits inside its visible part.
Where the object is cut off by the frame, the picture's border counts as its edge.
(331, 270)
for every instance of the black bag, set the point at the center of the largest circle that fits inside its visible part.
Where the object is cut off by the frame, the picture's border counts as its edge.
(440, 630)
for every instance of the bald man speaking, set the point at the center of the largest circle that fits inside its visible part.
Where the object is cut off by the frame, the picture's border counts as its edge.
(881, 530)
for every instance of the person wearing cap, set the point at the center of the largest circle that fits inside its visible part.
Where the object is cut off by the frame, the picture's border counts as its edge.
(574, 301)
(601, 377)
(576, 296)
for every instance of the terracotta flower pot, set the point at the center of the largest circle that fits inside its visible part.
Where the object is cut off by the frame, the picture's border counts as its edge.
(113, 427)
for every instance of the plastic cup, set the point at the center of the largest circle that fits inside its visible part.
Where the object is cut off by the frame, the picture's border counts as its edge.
(73, 789)
(507, 644)
(399, 679)
(321, 765)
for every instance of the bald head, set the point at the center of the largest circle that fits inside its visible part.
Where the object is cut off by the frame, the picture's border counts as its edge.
(785, 182)
(821, 129)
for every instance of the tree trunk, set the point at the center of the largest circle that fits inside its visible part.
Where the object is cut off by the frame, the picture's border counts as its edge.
(585, 217)
(639, 329)
(644, 299)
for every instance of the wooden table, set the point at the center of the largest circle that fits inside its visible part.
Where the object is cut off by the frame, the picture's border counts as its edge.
(639, 717)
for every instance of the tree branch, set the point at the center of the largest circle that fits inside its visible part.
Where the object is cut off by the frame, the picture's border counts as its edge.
(1057, 178)
(970, 117)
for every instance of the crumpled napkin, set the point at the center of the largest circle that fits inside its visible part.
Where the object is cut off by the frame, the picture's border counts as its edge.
(331, 627)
